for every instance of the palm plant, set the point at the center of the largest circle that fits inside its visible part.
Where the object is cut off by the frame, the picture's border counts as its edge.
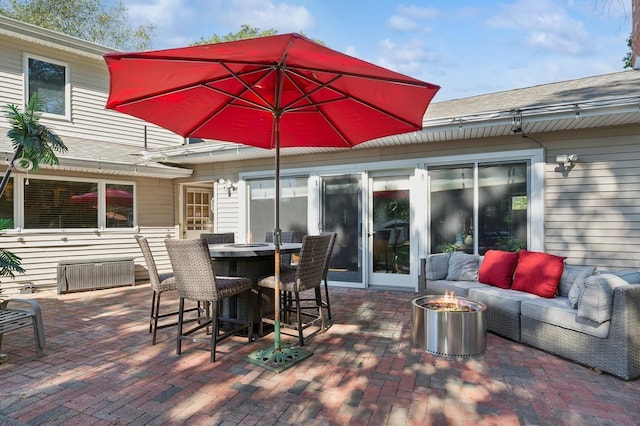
(31, 140)
(35, 144)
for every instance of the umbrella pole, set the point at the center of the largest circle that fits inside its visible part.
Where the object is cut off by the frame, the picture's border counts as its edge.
(276, 241)
(277, 358)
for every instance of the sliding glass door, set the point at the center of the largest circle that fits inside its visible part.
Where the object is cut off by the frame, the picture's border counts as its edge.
(341, 212)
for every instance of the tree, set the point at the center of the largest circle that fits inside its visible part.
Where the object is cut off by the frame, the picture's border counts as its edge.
(627, 60)
(246, 31)
(89, 20)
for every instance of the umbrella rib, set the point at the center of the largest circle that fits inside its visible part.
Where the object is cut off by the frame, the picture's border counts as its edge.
(184, 87)
(345, 96)
(266, 107)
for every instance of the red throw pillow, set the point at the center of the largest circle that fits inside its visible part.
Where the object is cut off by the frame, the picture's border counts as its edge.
(538, 273)
(497, 268)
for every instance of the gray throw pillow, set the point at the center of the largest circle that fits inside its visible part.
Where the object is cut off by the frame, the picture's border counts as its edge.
(572, 282)
(596, 300)
(437, 266)
(463, 267)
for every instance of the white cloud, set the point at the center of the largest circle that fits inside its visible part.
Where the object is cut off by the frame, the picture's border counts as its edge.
(402, 23)
(411, 57)
(409, 18)
(161, 13)
(544, 26)
(265, 14)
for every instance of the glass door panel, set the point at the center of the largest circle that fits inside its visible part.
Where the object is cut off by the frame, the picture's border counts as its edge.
(390, 238)
(341, 212)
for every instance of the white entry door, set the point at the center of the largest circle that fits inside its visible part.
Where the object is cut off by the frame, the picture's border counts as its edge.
(389, 231)
(197, 212)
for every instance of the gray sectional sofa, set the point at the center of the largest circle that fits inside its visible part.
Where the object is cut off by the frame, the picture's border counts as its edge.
(593, 319)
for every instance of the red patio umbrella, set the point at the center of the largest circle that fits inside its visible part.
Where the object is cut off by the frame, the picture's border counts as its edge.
(114, 197)
(270, 92)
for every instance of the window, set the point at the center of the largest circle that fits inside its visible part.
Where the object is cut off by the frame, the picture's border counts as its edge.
(198, 208)
(62, 204)
(119, 205)
(49, 79)
(6, 201)
(293, 207)
(502, 203)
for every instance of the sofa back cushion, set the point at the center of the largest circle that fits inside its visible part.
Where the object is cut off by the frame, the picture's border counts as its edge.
(497, 268)
(630, 276)
(538, 273)
(463, 267)
(437, 266)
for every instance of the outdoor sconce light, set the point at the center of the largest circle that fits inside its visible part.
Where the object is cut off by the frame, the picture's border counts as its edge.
(567, 160)
(516, 121)
(228, 186)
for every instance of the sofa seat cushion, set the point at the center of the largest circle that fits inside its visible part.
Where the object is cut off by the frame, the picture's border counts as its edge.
(457, 288)
(558, 312)
(506, 300)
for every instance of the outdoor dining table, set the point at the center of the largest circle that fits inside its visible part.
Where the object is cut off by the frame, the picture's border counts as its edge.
(250, 260)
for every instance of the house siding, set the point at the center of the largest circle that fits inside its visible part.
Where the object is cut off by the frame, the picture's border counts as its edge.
(41, 250)
(591, 216)
(89, 79)
(592, 213)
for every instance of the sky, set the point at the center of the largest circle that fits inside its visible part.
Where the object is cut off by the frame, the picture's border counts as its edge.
(468, 48)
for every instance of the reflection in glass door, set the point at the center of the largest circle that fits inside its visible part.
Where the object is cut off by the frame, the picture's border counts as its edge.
(390, 242)
(341, 212)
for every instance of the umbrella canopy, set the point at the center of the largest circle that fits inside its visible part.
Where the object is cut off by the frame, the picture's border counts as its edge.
(114, 197)
(232, 91)
(269, 92)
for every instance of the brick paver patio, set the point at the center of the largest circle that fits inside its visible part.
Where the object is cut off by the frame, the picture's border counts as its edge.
(100, 368)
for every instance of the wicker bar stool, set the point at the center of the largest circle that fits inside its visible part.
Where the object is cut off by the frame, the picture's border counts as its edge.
(219, 238)
(326, 303)
(307, 276)
(196, 280)
(160, 283)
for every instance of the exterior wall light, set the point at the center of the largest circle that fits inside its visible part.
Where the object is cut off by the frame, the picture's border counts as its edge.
(228, 186)
(567, 160)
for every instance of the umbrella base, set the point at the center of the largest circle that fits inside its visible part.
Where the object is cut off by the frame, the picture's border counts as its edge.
(278, 360)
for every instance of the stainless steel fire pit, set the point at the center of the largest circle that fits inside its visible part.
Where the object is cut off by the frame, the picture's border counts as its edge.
(450, 326)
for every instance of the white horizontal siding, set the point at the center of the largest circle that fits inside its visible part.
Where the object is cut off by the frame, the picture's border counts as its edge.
(42, 252)
(592, 212)
(89, 91)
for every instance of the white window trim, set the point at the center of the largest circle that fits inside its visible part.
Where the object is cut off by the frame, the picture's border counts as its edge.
(536, 158)
(535, 217)
(19, 204)
(67, 85)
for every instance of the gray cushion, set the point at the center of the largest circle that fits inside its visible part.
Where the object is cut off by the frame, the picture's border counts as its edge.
(570, 275)
(557, 311)
(577, 287)
(505, 300)
(630, 276)
(597, 298)
(437, 266)
(463, 267)
(457, 288)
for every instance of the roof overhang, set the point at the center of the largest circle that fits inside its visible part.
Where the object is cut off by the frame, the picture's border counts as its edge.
(533, 119)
